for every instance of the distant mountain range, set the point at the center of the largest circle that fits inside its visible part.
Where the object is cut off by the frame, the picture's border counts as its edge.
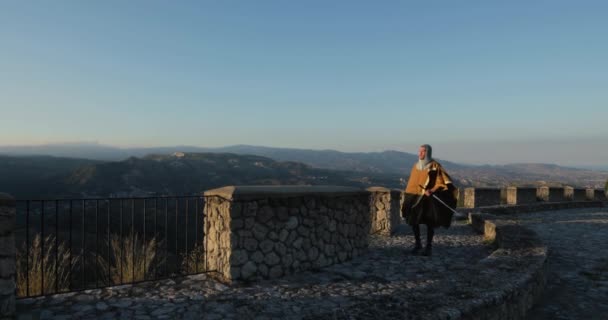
(97, 170)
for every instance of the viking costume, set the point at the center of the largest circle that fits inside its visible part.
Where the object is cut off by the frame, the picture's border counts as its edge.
(418, 208)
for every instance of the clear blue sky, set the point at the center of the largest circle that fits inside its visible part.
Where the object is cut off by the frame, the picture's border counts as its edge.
(482, 81)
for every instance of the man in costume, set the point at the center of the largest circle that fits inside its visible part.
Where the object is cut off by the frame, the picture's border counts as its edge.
(428, 180)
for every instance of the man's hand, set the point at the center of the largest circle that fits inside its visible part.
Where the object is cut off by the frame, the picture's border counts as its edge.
(428, 193)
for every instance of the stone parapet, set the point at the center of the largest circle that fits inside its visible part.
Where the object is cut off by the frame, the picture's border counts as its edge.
(385, 210)
(518, 248)
(266, 232)
(7, 257)
(534, 207)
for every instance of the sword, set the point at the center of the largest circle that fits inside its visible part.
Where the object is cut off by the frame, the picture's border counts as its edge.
(440, 201)
(443, 203)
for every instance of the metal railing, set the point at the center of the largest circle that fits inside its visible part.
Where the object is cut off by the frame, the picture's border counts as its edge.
(78, 244)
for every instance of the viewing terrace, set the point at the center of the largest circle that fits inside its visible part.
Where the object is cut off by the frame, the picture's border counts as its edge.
(304, 252)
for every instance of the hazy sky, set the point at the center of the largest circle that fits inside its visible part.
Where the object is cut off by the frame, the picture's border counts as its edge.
(482, 81)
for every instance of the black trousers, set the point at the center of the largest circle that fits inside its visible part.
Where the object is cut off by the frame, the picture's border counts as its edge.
(430, 232)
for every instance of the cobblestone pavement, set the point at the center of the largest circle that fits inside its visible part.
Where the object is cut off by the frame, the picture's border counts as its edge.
(577, 270)
(387, 282)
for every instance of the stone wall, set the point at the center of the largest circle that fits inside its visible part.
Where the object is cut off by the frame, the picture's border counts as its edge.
(535, 207)
(270, 231)
(385, 213)
(518, 248)
(7, 257)
(485, 197)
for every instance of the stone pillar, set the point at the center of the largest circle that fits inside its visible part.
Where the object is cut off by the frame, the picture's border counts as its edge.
(590, 194)
(469, 198)
(511, 195)
(542, 194)
(568, 193)
(265, 232)
(7, 257)
(481, 197)
(385, 210)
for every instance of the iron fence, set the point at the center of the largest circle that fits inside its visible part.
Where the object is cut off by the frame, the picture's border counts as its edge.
(77, 244)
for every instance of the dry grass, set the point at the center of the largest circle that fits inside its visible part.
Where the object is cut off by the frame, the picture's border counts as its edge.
(130, 260)
(47, 262)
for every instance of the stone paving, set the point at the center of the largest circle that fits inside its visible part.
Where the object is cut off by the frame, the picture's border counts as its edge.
(577, 273)
(387, 282)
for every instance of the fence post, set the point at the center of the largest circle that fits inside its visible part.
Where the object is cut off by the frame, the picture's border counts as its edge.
(7, 257)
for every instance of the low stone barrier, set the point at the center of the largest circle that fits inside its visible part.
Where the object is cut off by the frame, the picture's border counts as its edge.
(519, 250)
(269, 231)
(7, 257)
(484, 197)
(534, 207)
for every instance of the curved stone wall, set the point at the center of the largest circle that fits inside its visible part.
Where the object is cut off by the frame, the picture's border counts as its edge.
(519, 251)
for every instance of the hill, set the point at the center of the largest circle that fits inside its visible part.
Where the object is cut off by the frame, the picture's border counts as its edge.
(164, 173)
(37, 175)
(177, 174)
